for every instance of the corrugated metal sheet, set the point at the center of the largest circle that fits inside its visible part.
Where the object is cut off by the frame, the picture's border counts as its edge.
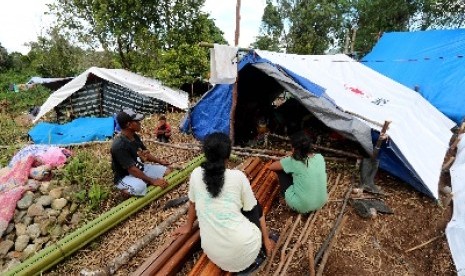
(102, 99)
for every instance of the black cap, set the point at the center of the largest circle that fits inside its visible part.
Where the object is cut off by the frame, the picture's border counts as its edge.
(126, 116)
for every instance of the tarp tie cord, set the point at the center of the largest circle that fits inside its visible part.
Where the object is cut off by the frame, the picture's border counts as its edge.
(409, 60)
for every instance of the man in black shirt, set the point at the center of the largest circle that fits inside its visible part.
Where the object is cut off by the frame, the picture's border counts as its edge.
(128, 155)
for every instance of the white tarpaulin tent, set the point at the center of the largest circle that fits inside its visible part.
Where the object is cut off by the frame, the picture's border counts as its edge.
(136, 83)
(419, 130)
(455, 230)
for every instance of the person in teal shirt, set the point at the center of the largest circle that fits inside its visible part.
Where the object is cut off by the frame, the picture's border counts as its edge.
(302, 176)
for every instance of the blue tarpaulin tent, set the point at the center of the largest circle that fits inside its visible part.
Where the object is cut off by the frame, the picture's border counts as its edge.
(343, 94)
(431, 62)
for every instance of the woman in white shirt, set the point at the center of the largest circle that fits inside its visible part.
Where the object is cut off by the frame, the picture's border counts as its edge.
(231, 223)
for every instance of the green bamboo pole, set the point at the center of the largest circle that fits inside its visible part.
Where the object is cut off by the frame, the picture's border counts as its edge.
(52, 255)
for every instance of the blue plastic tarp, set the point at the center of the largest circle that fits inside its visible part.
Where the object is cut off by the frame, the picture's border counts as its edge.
(432, 61)
(78, 131)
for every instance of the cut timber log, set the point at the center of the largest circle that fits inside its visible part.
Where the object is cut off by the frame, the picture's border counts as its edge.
(176, 262)
(156, 262)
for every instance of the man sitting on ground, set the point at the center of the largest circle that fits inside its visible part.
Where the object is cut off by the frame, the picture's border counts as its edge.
(128, 155)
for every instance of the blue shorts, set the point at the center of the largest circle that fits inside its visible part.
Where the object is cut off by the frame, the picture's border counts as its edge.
(138, 187)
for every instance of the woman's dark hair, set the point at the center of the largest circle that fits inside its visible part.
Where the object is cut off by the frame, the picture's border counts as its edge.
(217, 148)
(302, 146)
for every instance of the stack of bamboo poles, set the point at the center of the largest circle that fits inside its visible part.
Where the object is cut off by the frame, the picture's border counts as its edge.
(170, 258)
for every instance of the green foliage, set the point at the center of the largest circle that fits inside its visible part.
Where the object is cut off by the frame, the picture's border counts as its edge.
(91, 174)
(144, 35)
(317, 26)
(54, 56)
(4, 60)
(271, 29)
(93, 197)
(183, 65)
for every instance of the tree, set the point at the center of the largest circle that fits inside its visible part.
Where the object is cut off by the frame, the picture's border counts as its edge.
(54, 56)
(137, 30)
(5, 62)
(271, 29)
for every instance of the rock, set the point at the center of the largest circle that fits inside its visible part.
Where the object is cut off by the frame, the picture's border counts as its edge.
(44, 200)
(28, 251)
(44, 187)
(26, 200)
(40, 241)
(73, 208)
(59, 203)
(52, 213)
(26, 220)
(10, 228)
(39, 219)
(5, 246)
(10, 237)
(11, 264)
(13, 255)
(56, 232)
(19, 215)
(45, 226)
(35, 210)
(21, 242)
(3, 227)
(56, 193)
(65, 228)
(75, 219)
(20, 229)
(33, 230)
(63, 216)
(33, 184)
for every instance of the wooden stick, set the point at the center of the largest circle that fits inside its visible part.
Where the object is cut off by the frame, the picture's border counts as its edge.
(380, 140)
(124, 257)
(338, 221)
(283, 250)
(297, 244)
(333, 241)
(311, 261)
(423, 244)
(280, 241)
(448, 164)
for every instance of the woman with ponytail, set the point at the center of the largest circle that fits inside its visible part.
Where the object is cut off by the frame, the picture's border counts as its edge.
(302, 176)
(231, 223)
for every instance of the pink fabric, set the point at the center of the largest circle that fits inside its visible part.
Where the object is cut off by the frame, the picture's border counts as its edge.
(53, 156)
(12, 186)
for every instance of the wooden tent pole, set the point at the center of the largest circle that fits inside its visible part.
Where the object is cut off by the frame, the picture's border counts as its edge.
(380, 140)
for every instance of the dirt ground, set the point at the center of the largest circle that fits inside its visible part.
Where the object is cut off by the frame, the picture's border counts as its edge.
(374, 246)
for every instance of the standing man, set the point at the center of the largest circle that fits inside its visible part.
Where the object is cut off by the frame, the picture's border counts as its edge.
(128, 155)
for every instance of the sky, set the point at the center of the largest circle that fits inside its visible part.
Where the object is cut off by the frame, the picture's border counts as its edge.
(22, 21)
